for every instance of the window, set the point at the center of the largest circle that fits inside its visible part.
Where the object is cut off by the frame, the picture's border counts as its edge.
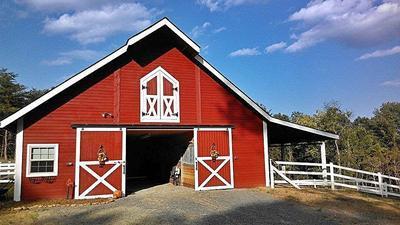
(42, 160)
(159, 97)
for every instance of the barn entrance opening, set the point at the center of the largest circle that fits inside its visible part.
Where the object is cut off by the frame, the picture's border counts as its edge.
(152, 155)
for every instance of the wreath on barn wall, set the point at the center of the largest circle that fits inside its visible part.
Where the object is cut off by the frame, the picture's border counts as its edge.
(213, 152)
(102, 156)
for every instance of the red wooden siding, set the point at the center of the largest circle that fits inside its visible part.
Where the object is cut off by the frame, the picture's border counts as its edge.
(203, 101)
(91, 141)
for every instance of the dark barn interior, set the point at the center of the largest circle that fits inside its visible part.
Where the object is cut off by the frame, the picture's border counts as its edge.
(151, 155)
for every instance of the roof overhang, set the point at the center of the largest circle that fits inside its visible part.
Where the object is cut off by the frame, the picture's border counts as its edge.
(194, 50)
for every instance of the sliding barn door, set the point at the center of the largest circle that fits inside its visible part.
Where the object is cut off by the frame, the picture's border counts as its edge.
(213, 158)
(94, 179)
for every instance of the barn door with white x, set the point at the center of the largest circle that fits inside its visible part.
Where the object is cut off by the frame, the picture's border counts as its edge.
(213, 159)
(96, 178)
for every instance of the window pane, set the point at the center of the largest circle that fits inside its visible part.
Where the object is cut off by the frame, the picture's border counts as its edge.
(42, 166)
(44, 151)
(36, 156)
(35, 150)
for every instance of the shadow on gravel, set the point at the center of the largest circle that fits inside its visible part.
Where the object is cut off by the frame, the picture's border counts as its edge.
(86, 217)
(280, 212)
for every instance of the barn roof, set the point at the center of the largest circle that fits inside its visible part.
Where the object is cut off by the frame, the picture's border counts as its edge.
(290, 129)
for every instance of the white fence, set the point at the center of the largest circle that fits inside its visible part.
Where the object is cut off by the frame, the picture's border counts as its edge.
(7, 172)
(317, 174)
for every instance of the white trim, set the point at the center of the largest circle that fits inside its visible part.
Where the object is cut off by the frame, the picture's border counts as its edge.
(231, 157)
(123, 167)
(255, 106)
(77, 160)
(74, 79)
(158, 129)
(323, 161)
(214, 129)
(266, 154)
(101, 129)
(92, 163)
(123, 49)
(19, 142)
(196, 166)
(29, 148)
(158, 25)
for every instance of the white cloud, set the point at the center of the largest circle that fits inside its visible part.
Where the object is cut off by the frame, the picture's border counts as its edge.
(391, 83)
(352, 22)
(381, 53)
(57, 62)
(61, 5)
(95, 25)
(245, 52)
(218, 5)
(275, 47)
(65, 58)
(218, 30)
(200, 30)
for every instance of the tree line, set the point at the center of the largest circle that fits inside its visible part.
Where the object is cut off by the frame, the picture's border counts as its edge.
(13, 96)
(368, 143)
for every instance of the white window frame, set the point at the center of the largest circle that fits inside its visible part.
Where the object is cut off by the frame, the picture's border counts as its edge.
(159, 73)
(28, 161)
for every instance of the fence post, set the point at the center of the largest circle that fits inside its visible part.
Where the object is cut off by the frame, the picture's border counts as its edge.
(323, 162)
(332, 174)
(271, 177)
(380, 183)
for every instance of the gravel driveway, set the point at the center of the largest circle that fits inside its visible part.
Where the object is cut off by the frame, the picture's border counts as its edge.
(167, 204)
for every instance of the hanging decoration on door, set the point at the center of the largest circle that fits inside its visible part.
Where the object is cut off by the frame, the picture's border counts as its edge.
(213, 152)
(102, 156)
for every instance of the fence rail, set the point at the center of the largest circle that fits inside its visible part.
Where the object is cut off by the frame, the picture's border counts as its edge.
(7, 172)
(318, 174)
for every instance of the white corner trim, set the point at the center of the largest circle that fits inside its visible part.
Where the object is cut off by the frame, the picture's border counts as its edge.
(28, 160)
(255, 106)
(19, 142)
(74, 79)
(77, 160)
(266, 154)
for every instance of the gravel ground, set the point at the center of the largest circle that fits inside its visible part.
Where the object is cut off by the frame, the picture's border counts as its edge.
(167, 204)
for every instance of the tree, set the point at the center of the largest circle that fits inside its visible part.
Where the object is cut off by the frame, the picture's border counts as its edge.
(13, 97)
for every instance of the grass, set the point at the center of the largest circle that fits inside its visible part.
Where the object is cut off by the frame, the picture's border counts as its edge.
(354, 207)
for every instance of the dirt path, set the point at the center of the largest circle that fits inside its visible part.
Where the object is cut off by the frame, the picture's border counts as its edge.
(166, 204)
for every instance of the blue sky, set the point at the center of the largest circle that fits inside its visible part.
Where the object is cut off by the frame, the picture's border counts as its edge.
(288, 55)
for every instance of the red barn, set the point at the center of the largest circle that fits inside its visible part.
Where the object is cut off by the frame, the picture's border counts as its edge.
(150, 105)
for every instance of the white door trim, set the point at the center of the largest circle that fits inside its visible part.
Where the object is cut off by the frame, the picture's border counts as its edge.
(100, 179)
(214, 173)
